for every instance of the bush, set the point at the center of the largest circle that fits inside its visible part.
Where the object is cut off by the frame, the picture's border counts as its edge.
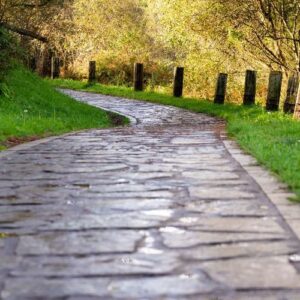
(8, 50)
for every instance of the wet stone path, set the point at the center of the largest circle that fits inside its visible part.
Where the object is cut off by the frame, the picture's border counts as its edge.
(156, 210)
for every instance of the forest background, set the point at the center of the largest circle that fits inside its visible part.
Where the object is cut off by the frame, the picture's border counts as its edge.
(204, 36)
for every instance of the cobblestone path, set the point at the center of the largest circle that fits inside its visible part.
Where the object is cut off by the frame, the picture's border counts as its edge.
(157, 210)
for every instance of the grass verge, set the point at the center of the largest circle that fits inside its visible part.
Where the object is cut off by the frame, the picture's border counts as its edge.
(273, 138)
(30, 108)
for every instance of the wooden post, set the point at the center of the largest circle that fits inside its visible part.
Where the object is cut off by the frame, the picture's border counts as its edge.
(274, 90)
(138, 77)
(221, 88)
(250, 88)
(92, 71)
(297, 105)
(291, 94)
(178, 81)
(55, 67)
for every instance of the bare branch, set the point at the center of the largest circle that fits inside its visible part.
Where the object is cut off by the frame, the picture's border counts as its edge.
(24, 32)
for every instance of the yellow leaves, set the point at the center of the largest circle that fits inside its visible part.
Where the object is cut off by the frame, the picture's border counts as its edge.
(3, 235)
(108, 25)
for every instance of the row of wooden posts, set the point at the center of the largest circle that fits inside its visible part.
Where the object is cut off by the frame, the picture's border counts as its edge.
(274, 88)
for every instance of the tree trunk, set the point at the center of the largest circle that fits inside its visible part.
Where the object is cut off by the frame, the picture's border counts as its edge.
(44, 63)
(25, 32)
(297, 105)
(291, 94)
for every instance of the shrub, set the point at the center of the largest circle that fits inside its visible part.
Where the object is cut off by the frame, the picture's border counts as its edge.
(7, 50)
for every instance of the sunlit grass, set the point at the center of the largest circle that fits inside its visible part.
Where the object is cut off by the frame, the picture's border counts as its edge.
(31, 108)
(273, 138)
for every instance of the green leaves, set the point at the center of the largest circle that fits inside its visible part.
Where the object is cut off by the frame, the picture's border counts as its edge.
(7, 49)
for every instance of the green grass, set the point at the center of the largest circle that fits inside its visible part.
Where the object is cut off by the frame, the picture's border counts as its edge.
(31, 108)
(273, 138)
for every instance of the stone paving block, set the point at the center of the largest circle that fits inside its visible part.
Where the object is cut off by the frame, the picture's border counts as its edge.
(98, 205)
(40, 288)
(232, 224)
(182, 286)
(8, 262)
(264, 294)
(255, 273)
(79, 243)
(105, 265)
(220, 193)
(194, 140)
(149, 175)
(291, 211)
(179, 238)
(253, 249)
(230, 208)
(125, 220)
(141, 194)
(211, 175)
(162, 209)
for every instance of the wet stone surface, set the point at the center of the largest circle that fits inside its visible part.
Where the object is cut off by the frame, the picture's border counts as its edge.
(156, 210)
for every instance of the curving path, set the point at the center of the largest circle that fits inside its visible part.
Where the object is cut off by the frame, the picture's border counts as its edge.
(158, 210)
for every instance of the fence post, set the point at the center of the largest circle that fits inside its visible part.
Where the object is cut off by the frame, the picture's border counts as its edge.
(250, 88)
(92, 71)
(221, 88)
(291, 94)
(178, 81)
(55, 67)
(274, 90)
(297, 105)
(138, 77)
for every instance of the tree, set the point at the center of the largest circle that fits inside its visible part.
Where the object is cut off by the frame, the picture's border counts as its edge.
(112, 32)
(41, 25)
(268, 29)
(27, 17)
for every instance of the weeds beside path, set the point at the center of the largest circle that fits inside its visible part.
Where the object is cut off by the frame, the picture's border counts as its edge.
(273, 138)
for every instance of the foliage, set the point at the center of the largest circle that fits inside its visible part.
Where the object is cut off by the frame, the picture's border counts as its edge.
(31, 18)
(163, 34)
(204, 36)
(32, 108)
(8, 48)
(267, 29)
